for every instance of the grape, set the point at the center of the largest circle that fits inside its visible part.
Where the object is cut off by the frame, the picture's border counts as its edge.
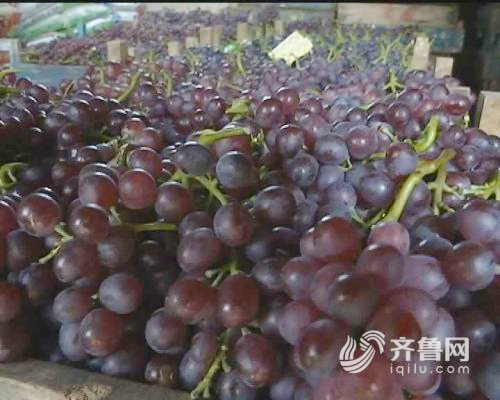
(194, 220)
(191, 371)
(479, 221)
(424, 272)
(162, 370)
(475, 325)
(417, 302)
(269, 113)
(297, 275)
(376, 189)
(331, 149)
(335, 239)
(238, 300)
(38, 283)
(117, 248)
(97, 188)
(314, 127)
(372, 384)
(235, 170)
(230, 386)
(137, 189)
(173, 201)
(127, 362)
(121, 293)
(75, 259)
(8, 218)
(198, 250)
(233, 225)
(470, 266)
(10, 302)
(194, 159)
(289, 99)
(191, 300)
(382, 263)
(275, 205)
(22, 249)
(295, 317)
(165, 334)
(318, 348)
(328, 175)
(342, 193)
(89, 222)
(400, 160)
(70, 341)
(289, 140)
(101, 332)
(38, 214)
(425, 381)
(390, 233)
(487, 376)
(361, 142)
(72, 304)
(302, 169)
(146, 159)
(255, 360)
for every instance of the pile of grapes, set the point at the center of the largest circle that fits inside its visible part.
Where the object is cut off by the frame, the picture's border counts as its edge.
(221, 225)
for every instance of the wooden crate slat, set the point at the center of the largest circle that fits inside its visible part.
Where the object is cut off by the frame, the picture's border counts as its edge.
(41, 380)
(398, 14)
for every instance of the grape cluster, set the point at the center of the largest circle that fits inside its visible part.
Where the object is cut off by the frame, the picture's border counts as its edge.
(223, 229)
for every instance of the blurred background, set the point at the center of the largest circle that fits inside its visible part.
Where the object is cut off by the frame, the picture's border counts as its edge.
(469, 32)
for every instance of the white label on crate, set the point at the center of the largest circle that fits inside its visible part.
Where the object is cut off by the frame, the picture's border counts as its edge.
(292, 48)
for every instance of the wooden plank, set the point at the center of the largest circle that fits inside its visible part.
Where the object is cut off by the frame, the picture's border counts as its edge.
(279, 27)
(217, 31)
(421, 53)
(487, 115)
(191, 41)
(117, 51)
(398, 14)
(206, 36)
(41, 380)
(242, 32)
(444, 67)
(174, 48)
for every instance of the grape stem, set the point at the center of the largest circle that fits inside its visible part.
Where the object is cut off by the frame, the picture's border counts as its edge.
(133, 84)
(211, 186)
(439, 187)
(239, 63)
(209, 136)
(7, 177)
(393, 85)
(7, 71)
(152, 226)
(168, 83)
(429, 137)
(219, 362)
(425, 168)
(65, 237)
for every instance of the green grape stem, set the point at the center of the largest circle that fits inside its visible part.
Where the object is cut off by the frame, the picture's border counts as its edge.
(7, 71)
(209, 136)
(203, 387)
(133, 84)
(424, 143)
(7, 177)
(239, 64)
(439, 187)
(211, 187)
(425, 168)
(65, 237)
(152, 226)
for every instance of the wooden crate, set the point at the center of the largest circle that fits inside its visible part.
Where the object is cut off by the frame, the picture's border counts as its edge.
(399, 14)
(40, 380)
